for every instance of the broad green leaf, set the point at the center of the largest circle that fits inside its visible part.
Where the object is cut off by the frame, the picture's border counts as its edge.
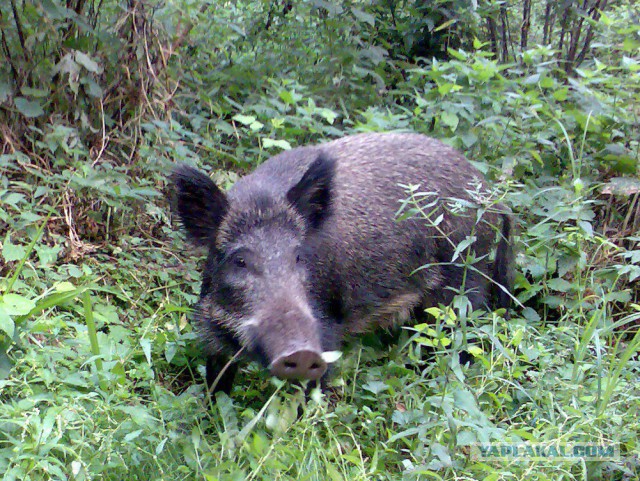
(146, 348)
(457, 54)
(517, 337)
(5, 91)
(76, 466)
(559, 284)
(286, 96)
(444, 89)
(464, 400)
(561, 94)
(56, 299)
(6, 323)
(442, 454)
(469, 138)
(28, 108)
(450, 119)
(37, 93)
(84, 60)
(170, 351)
(277, 122)
(244, 119)
(445, 25)
(532, 79)
(474, 350)
(53, 11)
(5, 365)
(94, 90)
(462, 246)
(530, 315)
(16, 305)
(12, 252)
(255, 126)
(630, 44)
(133, 435)
(282, 144)
(160, 446)
(586, 227)
(363, 16)
(631, 64)
(64, 286)
(13, 198)
(547, 82)
(376, 387)
(78, 379)
(622, 164)
(47, 255)
(329, 115)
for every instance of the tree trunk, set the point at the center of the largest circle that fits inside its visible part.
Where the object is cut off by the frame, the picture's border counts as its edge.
(549, 21)
(575, 33)
(493, 35)
(526, 24)
(504, 33)
(595, 12)
(564, 23)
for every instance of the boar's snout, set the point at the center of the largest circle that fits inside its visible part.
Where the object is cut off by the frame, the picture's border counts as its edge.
(302, 364)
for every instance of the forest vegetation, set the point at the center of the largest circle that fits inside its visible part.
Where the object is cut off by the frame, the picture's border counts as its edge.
(101, 374)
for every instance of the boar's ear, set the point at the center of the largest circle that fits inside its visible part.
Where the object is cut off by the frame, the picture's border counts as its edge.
(199, 203)
(312, 195)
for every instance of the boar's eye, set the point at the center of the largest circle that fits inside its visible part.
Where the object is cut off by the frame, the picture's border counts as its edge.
(240, 258)
(298, 259)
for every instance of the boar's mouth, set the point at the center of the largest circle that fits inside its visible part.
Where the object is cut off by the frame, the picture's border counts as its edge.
(302, 364)
(290, 347)
(283, 336)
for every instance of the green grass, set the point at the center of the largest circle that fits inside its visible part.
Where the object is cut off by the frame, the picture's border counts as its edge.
(128, 402)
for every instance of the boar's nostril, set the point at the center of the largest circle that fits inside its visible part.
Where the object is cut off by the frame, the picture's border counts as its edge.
(304, 364)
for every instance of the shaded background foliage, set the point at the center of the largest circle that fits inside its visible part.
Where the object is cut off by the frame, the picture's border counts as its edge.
(99, 98)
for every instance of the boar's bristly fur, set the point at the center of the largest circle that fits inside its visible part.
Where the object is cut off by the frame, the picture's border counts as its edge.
(308, 247)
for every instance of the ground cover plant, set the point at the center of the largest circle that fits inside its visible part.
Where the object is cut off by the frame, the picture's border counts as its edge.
(101, 375)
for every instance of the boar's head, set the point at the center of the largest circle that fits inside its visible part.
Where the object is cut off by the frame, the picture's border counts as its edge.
(255, 292)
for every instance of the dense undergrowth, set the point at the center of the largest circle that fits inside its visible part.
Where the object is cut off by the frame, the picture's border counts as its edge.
(100, 370)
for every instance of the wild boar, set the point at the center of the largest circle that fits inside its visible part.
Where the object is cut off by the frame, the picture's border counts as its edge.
(308, 248)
